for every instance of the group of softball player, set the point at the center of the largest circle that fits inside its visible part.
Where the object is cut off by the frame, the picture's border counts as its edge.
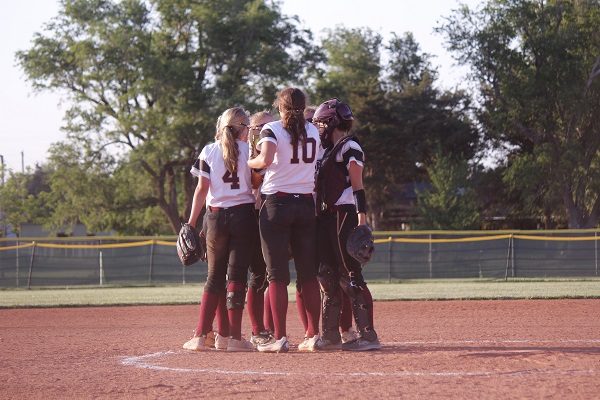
(275, 191)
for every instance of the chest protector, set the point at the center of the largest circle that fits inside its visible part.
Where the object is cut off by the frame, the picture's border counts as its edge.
(331, 177)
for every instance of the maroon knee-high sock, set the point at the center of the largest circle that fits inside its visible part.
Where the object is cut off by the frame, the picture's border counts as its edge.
(369, 304)
(222, 317)
(278, 298)
(311, 296)
(235, 314)
(255, 303)
(267, 314)
(301, 308)
(208, 306)
(346, 316)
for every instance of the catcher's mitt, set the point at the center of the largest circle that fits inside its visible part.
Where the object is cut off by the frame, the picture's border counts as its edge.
(189, 248)
(360, 244)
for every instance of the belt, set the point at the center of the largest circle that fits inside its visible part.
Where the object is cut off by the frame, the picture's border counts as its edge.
(295, 195)
(217, 209)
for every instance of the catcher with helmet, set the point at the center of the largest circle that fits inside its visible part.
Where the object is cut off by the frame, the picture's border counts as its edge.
(343, 238)
(225, 184)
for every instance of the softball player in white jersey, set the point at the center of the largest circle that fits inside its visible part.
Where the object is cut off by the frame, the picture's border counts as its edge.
(224, 183)
(287, 217)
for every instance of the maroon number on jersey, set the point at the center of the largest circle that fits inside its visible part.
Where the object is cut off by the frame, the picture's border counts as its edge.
(232, 178)
(305, 153)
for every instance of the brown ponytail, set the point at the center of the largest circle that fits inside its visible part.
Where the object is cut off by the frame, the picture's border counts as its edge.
(291, 103)
(231, 125)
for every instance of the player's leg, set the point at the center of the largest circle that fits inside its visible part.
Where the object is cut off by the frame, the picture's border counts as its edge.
(241, 224)
(275, 237)
(267, 314)
(354, 285)
(214, 288)
(346, 329)
(303, 242)
(329, 277)
(257, 284)
(301, 308)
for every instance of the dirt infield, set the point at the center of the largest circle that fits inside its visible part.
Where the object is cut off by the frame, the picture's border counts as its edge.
(443, 349)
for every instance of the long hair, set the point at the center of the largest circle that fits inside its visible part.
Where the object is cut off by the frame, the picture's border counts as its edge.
(230, 126)
(291, 103)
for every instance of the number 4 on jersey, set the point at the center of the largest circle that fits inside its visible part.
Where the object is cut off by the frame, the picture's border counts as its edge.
(232, 178)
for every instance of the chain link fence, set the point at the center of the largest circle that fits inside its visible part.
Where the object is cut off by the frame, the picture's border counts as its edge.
(115, 261)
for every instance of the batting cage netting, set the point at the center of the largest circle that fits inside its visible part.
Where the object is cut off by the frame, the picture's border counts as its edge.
(29, 262)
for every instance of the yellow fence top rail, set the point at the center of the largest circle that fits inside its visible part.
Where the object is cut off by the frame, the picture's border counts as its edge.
(484, 232)
(39, 239)
(378, 234)
(127, 241)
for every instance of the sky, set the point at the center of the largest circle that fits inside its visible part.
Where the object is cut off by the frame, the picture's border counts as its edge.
(30, 122)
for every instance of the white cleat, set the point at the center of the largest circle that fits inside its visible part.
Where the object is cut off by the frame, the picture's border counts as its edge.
(196, 343)
(274, 346)
(309, 344)
(239, 345)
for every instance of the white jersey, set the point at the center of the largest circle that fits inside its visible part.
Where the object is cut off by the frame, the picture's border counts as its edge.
(226, 189)
(350, 151)
(293, 168)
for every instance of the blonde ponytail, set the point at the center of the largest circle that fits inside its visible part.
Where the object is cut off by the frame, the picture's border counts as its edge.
(231, 152)
(231, 125)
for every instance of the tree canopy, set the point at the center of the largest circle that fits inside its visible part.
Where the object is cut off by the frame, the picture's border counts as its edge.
(403, 119)
(537, 65)
(147, 79)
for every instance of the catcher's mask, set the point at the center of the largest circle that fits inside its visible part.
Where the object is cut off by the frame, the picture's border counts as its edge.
(328, 116)
(360, 244)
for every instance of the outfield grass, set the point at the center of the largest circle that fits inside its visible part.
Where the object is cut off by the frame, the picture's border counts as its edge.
(406, 290)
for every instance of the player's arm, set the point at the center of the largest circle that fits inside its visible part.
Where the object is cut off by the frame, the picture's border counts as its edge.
(201, 170)
(199, 199)
(268, 146)
(353, 158)
(355, 171)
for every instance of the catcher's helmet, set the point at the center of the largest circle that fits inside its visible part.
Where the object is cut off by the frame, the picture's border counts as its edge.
(331, 113)
(360, 244)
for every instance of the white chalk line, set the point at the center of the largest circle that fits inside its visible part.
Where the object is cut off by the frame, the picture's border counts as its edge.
(145, 362)
(493, 341)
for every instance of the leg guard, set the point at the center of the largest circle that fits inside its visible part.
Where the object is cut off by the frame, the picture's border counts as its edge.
(331, 304)
(236, 295)
(330, 318)
(362, 309)
(328, 279)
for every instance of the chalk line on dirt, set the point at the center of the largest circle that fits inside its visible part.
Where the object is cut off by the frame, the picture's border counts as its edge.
(148, 361)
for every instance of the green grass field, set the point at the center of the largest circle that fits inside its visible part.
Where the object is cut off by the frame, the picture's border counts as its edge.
(407, 290)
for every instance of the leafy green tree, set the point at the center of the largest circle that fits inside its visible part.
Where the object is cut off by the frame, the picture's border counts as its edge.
(451, 203)
(537, 64)
(147, 79)
(80, 190)
(402, 118)
(21, 198)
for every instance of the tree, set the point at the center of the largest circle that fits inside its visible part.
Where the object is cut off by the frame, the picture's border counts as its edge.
(537, 64)
(21, 198)
(147, 79)
(402, 118)
(450, 203)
